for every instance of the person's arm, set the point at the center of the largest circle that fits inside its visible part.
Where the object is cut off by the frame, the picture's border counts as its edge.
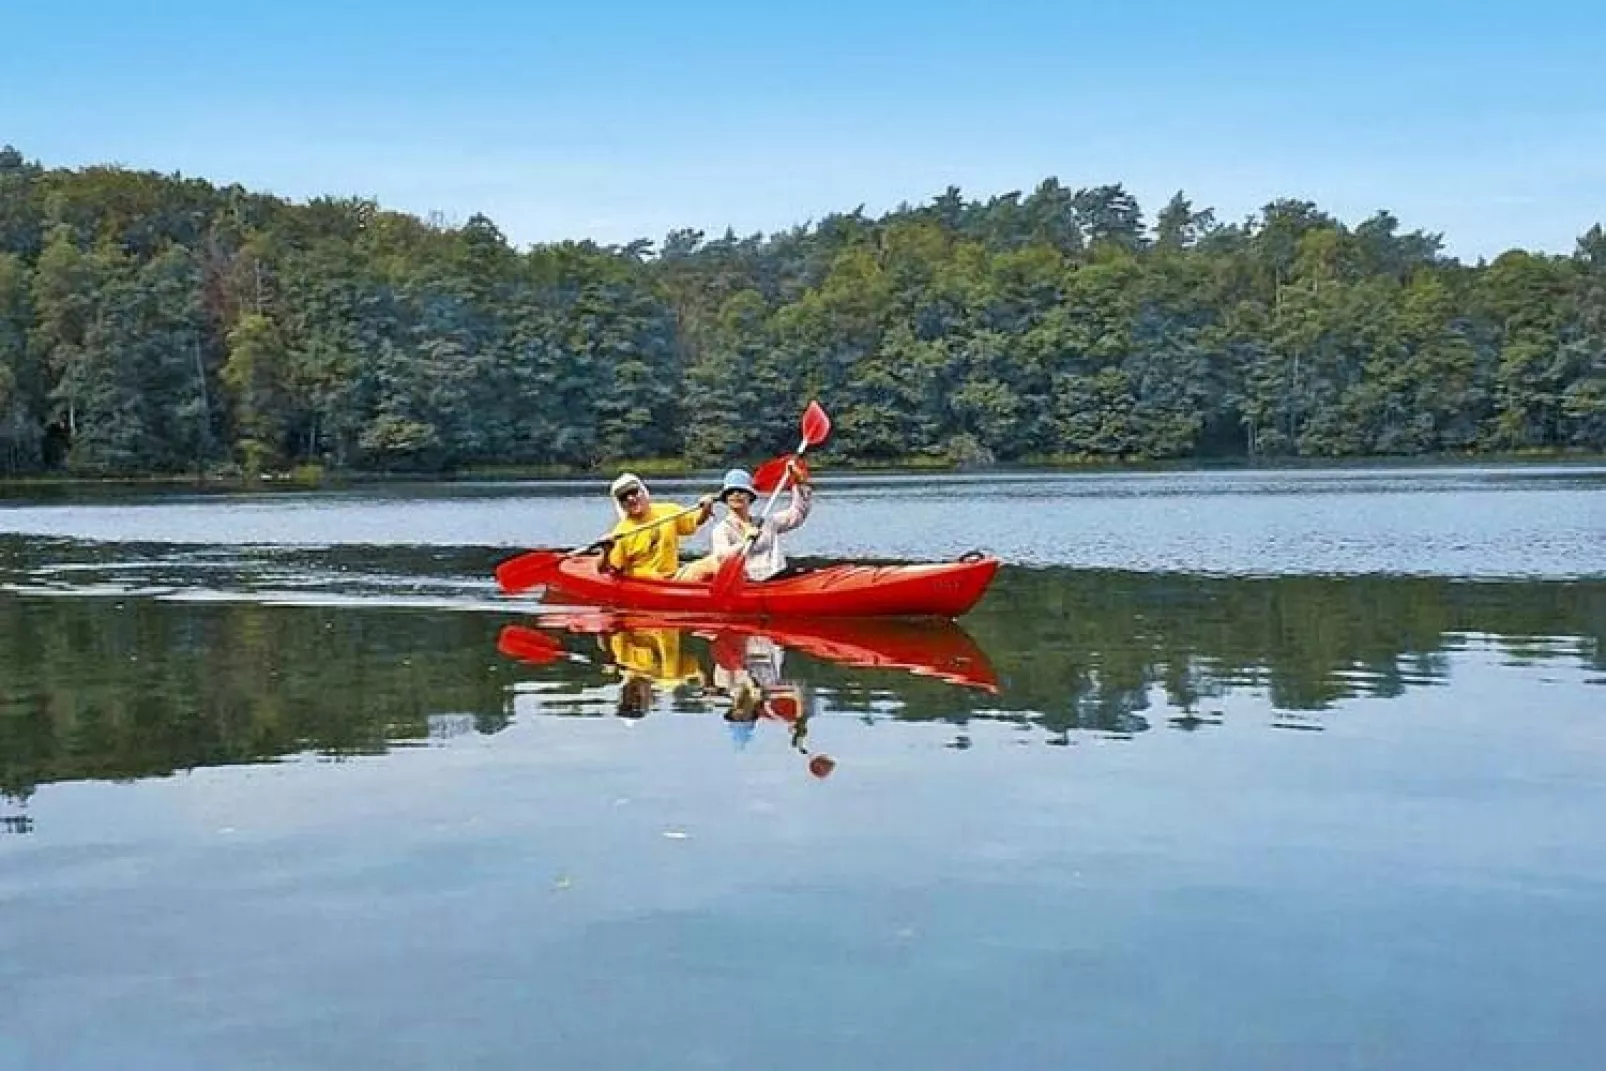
(796, 511)
(688, 523)
(727, 540)
(613, 554)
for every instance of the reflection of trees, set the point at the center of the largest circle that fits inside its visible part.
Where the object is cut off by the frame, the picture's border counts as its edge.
(1094, 649)
(101, 689)
(112, 690)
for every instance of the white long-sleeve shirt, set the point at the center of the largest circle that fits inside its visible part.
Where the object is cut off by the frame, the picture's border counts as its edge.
(766, 558)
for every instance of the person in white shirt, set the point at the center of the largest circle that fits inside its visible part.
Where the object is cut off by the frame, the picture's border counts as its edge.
(765, 560)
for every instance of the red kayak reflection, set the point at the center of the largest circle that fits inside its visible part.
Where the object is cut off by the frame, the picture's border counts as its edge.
(940, 649)
(744, 662)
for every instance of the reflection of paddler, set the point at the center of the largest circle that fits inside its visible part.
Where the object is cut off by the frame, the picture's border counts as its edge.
(654, 653)
(748, 669)
(743, 666)
(647, 657)
(739, 658)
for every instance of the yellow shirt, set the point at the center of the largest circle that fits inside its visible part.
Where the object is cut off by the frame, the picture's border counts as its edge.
(654, 653)
(643, 551)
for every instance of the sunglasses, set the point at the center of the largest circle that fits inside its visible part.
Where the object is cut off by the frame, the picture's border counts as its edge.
(627, 494)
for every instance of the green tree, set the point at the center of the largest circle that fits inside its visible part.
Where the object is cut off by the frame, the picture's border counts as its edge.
(255, 378)
(21, 383)
(153, 323)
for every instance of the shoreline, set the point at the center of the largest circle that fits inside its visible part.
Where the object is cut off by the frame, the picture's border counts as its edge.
(304, 480)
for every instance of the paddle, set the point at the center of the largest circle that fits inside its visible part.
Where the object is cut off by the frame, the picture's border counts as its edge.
(768, 476)
(816, 426)
(529, 645)
(533, 568)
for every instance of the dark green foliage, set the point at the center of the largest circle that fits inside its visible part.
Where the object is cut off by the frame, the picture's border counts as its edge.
(155, 323)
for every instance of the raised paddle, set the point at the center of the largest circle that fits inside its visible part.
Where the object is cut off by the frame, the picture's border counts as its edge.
(535, 567)
(768, 476)
(816, 426)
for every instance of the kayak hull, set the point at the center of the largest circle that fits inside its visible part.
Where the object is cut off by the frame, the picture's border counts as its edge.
(934, 589)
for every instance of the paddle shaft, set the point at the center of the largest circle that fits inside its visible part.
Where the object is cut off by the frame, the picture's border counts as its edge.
(531, 569)
(605, 540)
(580, 552)
(654, 524)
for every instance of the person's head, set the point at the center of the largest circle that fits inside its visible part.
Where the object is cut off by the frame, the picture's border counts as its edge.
(737, 491)
(746, 698)
(630, 496)
(635, 696)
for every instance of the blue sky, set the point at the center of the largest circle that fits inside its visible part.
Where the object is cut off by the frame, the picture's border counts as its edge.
(617, 120)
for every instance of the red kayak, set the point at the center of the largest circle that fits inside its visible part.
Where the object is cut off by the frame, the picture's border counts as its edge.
(937, 589)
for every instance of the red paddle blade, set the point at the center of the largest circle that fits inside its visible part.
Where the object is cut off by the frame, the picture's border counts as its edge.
(816, 424)
(768, 476)
(732, 573)
(528, 645)
(785, 707)
(821, 766)
(527, 570)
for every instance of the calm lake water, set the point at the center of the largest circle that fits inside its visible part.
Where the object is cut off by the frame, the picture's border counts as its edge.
(1229, 770)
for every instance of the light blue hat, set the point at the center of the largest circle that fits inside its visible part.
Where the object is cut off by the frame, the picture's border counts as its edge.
(737, 480)
(741, 732)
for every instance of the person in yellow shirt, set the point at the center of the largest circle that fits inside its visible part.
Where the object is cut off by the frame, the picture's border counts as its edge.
(646, 540)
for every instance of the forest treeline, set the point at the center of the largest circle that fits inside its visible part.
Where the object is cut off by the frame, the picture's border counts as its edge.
(159, 324)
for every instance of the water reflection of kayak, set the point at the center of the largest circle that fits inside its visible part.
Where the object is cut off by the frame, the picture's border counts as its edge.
(936, 589)
(929, 648)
